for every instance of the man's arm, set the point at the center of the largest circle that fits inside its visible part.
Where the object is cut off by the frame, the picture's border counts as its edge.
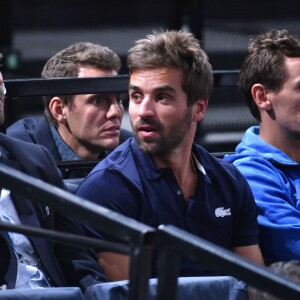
(251, 253)
(99, 188)
(116, 266)
(279, 217)
(79, 264)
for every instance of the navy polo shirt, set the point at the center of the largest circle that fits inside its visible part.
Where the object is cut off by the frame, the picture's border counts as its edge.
(222, 210)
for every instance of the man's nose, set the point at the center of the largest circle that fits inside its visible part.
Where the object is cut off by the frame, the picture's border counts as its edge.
(146, 108)
(115, 109)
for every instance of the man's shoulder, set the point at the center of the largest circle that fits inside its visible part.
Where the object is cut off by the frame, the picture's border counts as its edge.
(218, 167)
(119, 163)
(119, 158)
(15, 146)
(9, 141)
(27, 129)
(29, 123)
(209, 160)
(33, 159)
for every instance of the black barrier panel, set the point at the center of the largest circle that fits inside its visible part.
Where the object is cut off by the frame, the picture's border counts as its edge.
(70, 86)
(65, 86)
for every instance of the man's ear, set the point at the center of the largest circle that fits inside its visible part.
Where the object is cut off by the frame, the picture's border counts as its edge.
(261, 97)
(199, 109)
(57, 108)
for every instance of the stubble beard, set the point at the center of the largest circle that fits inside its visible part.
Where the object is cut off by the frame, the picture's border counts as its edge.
(168, 140)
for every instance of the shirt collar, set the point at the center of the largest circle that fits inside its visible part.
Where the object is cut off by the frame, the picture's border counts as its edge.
(148, 167)
(65, 152)
(198, 165)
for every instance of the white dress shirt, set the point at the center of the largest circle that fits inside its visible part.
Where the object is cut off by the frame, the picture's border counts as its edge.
(28, 275)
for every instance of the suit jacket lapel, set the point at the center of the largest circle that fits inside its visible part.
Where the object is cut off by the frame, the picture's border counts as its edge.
(8, 261)
(28, 216)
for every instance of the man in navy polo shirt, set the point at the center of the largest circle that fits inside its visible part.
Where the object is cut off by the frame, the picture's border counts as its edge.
(161, 176)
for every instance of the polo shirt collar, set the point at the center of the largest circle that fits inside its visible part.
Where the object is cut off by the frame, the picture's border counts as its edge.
(150, 170)
(65, 152)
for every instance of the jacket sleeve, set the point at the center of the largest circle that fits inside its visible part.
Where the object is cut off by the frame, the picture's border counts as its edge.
(23, 129)
(278, 207)
(79, 264)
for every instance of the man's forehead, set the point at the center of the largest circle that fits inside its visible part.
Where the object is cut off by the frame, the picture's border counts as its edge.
(158, 78)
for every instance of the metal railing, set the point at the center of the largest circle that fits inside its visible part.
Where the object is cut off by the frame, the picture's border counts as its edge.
(171, 242)
(139, 237)
(93, 85)
(175, 243)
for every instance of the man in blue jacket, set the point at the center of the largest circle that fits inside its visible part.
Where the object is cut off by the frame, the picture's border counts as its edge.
(30, 262)
(269, 154)
(161, 176)
(77, 127)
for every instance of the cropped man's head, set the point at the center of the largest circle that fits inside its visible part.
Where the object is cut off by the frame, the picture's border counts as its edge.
(289, 269)
(264, 63)
(175, 49)
(2, 96)
(67, 62)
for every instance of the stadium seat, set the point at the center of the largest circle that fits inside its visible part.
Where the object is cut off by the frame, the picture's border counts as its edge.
(192, 288)
(68, 293)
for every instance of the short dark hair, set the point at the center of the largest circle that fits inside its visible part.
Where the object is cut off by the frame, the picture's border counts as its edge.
(67, 62)
(289, 269)
(175, 49)
(264, 63)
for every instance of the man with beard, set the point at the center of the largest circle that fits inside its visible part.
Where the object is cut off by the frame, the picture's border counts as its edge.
(161, 176)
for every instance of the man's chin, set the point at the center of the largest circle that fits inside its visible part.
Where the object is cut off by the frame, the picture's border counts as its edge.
(148, 146)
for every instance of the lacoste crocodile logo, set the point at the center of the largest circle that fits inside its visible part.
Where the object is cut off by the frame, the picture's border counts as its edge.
(221, 212)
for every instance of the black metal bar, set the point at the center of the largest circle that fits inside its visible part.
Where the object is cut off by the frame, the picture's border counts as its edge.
(76, 164)
(226, 78)
(65, 86)
(92, 85)
(140, 270)
(102, 218)
(226, 262)
(67, 238)
(168, 266)
(221, 154)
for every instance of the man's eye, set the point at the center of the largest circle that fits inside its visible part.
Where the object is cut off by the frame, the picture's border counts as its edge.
(99, 100)
(136, 97)
(162, 97)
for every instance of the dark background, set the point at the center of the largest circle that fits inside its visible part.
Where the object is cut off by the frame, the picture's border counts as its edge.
(34, 30)
(31, 31)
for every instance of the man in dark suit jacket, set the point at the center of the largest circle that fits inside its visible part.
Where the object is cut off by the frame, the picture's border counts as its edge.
(37, 130)
(37, 162)
(80, 127)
